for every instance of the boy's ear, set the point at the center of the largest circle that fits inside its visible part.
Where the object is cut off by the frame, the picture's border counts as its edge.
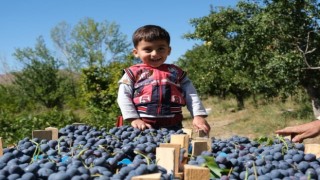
(169, 50)
(135, 53)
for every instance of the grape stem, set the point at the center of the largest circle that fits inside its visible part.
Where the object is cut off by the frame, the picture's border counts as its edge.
(146, 157)
(36, 151)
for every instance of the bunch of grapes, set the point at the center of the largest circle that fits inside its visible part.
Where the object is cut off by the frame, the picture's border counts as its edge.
(248, 159)
(85, 152)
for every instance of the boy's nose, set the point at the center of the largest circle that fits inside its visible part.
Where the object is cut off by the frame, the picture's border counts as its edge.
(154, 52)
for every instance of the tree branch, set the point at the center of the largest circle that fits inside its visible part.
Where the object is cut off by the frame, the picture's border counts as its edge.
(307, 51)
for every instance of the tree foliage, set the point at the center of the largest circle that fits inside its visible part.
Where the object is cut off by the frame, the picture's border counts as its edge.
(101, 85)
(90, 43)
(39, 80)
(99, 51)
(12, 100)
(258, 47)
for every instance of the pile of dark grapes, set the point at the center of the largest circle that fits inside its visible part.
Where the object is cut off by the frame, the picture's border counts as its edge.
(84, 152)
(87, 153)
(248, 159)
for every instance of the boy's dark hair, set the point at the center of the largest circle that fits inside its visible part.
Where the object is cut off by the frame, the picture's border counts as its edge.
(150, 33)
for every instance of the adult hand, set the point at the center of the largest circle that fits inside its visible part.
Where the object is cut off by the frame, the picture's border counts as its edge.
(138, 123)
(301, 132)
(200, 123)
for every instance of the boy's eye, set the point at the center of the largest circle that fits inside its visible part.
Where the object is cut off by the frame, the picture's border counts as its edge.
(162, 49)
(148, 50)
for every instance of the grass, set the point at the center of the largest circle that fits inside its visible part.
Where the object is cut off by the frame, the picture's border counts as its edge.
(258, 119)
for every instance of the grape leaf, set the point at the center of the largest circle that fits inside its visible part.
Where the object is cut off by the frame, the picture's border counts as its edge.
(213, 166)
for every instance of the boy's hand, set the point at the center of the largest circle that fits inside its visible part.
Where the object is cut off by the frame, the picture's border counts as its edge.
(138, 123)
(200, 123)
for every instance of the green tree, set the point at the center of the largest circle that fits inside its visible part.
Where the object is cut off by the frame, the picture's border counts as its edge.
(226, 63)
(12, 99)
(60, 36)
(39, 79)
(298, 40)
(99, 51)
(262, 47)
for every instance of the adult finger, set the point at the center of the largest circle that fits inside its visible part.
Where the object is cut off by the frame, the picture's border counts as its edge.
(287, 130)
(298, 138)
(281, 132)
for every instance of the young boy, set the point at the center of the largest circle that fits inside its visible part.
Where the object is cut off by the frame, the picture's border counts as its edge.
(152, 94)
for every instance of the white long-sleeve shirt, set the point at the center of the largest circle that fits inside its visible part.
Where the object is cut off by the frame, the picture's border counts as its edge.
(128, 110)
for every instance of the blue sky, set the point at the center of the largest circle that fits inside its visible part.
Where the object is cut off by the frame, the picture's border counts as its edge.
(23, 21)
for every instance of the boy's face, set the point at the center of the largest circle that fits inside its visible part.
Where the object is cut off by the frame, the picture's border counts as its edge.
(152, 53)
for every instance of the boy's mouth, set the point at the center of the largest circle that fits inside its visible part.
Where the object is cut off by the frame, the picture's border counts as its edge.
(156, 60)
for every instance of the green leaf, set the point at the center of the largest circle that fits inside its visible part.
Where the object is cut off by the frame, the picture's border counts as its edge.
(213, 166)
(264, 140)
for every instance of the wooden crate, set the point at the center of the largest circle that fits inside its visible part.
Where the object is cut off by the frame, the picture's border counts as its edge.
(50, 133)
(196, 173)
(313, 149)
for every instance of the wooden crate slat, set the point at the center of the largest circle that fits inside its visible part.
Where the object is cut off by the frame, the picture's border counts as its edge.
(204, 139)
(176, 155)
(165, 157)
(198, 147)
(313, 149)
(195, 172)
(55, 132)
(182, 139)
(188, 131)
(201, 133)
(155, 176)
(42, 134)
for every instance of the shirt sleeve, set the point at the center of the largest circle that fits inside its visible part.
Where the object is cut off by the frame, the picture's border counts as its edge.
(124, 100)
(194, 104)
